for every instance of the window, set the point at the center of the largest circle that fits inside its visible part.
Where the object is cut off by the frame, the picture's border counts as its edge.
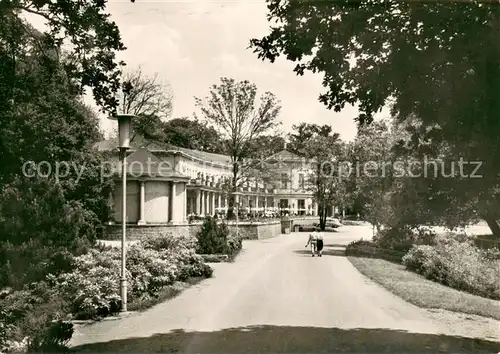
(284, 181)
(301, 181)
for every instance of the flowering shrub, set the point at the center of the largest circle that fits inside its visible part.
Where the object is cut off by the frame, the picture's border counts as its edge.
(92, 292)
(169, 241)
(87, 287)
(457, 264)
(92, 288)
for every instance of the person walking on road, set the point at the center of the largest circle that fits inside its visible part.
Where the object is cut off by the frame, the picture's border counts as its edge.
(319, 243)
(312, 242)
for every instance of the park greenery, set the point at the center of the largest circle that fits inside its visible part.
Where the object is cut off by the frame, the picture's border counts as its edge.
(232, 109)
(214, 238)
(51, 267)
(436, 65)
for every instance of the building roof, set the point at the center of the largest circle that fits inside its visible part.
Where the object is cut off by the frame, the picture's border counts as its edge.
(205, 156)
(284, 155)
(156, 146)
(142, 163)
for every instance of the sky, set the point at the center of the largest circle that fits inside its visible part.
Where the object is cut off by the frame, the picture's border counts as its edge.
(192, 44)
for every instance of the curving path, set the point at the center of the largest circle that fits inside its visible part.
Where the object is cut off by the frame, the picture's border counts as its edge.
(281, 299)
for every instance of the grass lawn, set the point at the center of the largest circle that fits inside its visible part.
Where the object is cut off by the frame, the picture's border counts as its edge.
(422, 292)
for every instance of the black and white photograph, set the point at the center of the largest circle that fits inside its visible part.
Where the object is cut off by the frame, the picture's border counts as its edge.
(249, 176)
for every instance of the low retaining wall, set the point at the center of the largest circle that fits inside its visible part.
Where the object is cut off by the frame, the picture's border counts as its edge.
(137, 232)
(247, 230)
(256, 230)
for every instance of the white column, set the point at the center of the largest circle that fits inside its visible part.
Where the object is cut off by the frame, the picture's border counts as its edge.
(142, 202)
(203, 203)
(198, 202)
(316, 209)
(178, 203)
(212, 212)
(184, 201)
(219, 200)
(265, 202)
(175, 202)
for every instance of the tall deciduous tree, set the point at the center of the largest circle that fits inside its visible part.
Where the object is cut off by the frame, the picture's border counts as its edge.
(439, 62)
(192, 134)
(268, 145)
(303, 132)
(372, 157)
(83, 27)
(49, 127)
(231, 108)
(148, 99)
(324, 181)
(325, 151)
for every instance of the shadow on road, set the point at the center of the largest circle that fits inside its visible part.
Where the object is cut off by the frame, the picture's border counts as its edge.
(284, 339)
(326, 252)
(334, 245)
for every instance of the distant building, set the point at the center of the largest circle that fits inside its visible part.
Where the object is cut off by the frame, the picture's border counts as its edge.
(166, 183)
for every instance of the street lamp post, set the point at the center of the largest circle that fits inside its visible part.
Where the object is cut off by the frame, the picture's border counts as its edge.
(124, 126)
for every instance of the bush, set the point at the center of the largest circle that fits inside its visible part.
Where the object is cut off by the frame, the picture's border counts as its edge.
(419, 259)
(169, 241)
(460, 265)
(370, 249)
(39, 209)
(92, 289)
(234, 245)
(31, 262)
(215, 238)
(403, 238)
(212, 239)
(87, 287)
(35, 319)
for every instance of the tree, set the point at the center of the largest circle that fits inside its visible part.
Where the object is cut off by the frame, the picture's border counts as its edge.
(325, 151)
(371, 160)
(400, 48)
(84, 25)
(232, 109)
(192, 134)
(324, 181)
(303, 133)
(267, 145)
(147, 99)
(48, 127)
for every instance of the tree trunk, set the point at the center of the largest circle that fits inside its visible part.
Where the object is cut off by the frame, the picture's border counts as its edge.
(322, 217)
(234, 188)
(230, 207)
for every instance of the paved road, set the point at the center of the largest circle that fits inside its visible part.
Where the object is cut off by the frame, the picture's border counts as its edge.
(294, 302)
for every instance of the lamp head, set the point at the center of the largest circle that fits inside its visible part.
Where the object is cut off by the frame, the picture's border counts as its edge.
(124, 128)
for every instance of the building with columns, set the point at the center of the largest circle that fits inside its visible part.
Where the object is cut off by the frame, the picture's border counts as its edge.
(166, 184)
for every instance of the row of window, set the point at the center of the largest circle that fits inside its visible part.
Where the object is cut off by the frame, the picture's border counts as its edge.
(285, 179)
